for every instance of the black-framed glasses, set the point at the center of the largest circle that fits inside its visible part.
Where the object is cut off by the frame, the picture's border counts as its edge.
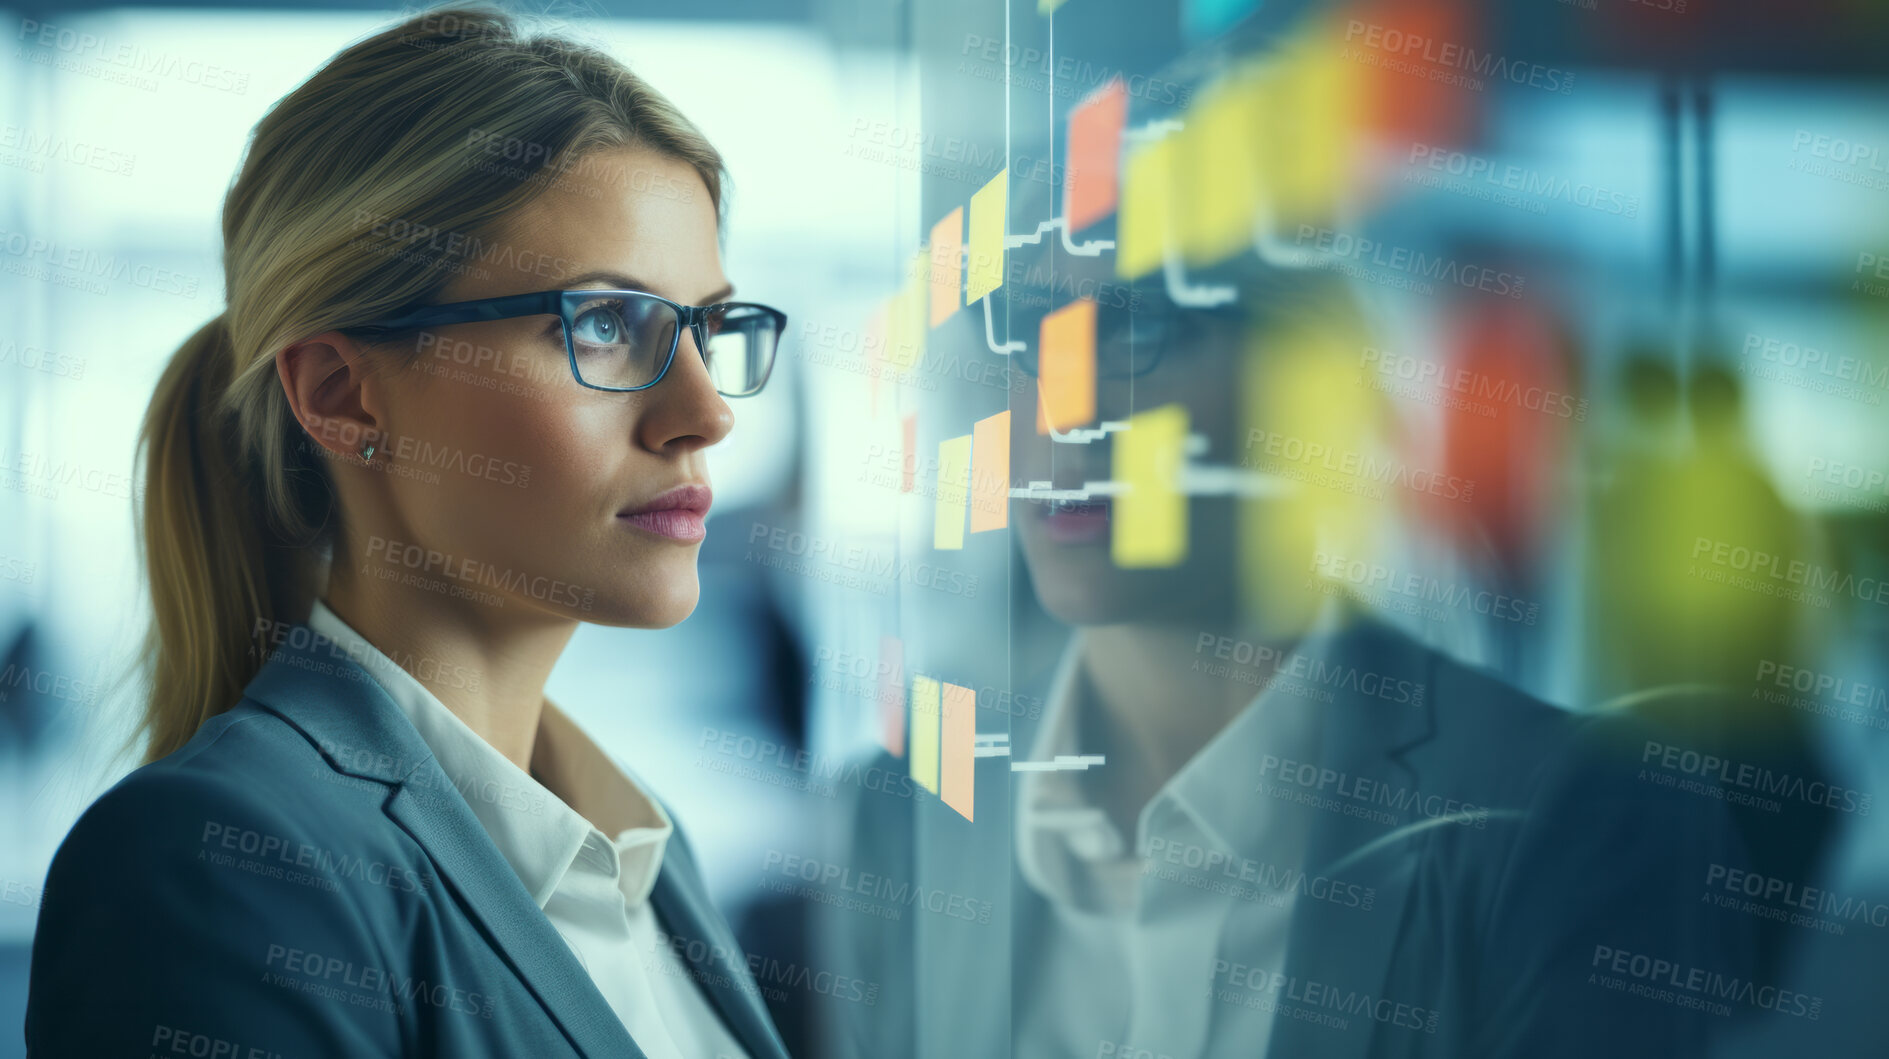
(624, 340)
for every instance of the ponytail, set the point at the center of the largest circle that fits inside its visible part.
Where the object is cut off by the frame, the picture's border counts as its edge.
(218, 580)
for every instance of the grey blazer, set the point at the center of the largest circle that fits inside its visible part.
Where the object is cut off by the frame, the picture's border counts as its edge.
(1498, 939)
(302, 880)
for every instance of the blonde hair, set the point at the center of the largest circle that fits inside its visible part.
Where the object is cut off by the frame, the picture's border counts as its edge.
(363, 191)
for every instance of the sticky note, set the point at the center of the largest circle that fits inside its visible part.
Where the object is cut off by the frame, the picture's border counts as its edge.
(1066, 368)
(1141, 230)
(892, 695)
(958, 747)
(947, 246)
(912, 313)
(1319, 113)
(1095, 145)
(954, 473)
(926, 706)
(1149, 518)
(990, 472)
(910, 471)
(1219, 165)
(984, 265)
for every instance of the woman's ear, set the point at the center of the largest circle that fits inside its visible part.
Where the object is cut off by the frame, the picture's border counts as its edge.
(332, 393)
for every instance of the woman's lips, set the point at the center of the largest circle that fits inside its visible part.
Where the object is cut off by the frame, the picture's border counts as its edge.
(676, 523)
(1076, 521)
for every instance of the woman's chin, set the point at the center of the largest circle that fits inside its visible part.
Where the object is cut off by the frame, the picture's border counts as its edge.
(649, 606)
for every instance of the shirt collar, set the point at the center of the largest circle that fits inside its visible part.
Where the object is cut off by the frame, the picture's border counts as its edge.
(539, 834)
(1067, 847)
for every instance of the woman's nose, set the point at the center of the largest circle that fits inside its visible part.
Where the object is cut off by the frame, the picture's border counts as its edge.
(684, 409)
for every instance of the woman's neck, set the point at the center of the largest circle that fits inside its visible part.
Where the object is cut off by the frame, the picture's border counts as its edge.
(488, 666)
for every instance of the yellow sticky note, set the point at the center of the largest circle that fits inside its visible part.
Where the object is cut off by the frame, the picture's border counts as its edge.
(1150, 517)
(947, 245)
(954, 474)
(1318, 115)
(990, 472)
(926, 708)
(958, 747)
(1218, 155)
(1066, 368)
(906, 318)
(984, 266)
(1142, 220)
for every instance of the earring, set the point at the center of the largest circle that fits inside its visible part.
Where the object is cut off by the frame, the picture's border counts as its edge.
(367, 454)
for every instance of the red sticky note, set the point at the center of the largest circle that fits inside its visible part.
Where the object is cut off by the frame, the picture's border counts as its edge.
(1095, 146)
(892, 695)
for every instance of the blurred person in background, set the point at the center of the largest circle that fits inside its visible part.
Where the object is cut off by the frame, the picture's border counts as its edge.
(1312, 834)
(478, 337)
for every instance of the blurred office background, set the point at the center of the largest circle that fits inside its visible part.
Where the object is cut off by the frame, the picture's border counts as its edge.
(1659, 319)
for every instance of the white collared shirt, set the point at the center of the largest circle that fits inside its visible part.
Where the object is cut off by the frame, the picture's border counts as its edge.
(594, 889)
(1126, 954)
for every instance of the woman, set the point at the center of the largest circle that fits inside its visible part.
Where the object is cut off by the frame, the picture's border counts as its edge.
(457, 404)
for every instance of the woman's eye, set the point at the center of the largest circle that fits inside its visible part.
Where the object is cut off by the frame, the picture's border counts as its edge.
(598, 327)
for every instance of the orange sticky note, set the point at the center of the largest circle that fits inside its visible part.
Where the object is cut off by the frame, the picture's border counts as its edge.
(958, 747)
(926, 706)
(990, 472)
(947, 246)
(892, 695)
(1095, 145)
(1066, 368)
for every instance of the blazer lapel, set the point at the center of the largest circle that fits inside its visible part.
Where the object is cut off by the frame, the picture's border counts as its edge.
(681, 901)
(363, 733)
(1336, 948)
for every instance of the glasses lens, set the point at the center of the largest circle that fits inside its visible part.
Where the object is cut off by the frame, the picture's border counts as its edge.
(619, 340)
(741, 341)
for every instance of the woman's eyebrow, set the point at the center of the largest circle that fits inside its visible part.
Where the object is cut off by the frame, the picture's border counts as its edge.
(620, 281)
